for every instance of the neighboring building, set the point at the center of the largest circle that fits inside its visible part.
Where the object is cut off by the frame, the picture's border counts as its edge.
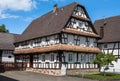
(7, 47)
(109, 29)
(62, 38)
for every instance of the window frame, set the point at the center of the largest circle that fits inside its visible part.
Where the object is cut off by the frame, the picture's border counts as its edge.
(52, 57)
(70, 59)
(64, 38)
(43, 58)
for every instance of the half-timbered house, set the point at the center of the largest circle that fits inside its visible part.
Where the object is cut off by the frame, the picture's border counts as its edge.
(64, 37)
(109, 30)
(7, 47)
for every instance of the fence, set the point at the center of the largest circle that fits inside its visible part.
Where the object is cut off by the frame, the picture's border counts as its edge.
(9, 66)
(67, 65)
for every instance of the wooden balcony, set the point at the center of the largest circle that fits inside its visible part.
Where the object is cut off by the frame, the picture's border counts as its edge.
(62, 47)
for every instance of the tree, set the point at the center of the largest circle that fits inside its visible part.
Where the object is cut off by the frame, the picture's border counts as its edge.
(3, 29)
(104, 60)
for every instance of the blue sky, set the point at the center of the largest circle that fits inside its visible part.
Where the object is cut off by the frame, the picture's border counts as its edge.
(18, 14)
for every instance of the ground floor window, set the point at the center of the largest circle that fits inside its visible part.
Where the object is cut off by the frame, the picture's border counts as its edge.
(78, 57)
(70, 58)
(52, 57)
(43, 58)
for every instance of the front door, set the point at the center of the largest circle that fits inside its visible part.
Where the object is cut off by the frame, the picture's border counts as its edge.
(31, 61)
(0, 56)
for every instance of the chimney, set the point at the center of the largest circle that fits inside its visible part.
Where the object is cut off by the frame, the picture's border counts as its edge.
(102, 28)
(55, 8)
(101, 32)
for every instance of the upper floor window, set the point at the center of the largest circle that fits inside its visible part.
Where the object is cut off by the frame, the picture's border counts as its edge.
(47, 40)
(64, 38)
(71, 23)
(56, 38)
(37, 41)
(80, 24)
(87, 41)
(95, 42)
(79, 12)
(76, 40)
(16, 45)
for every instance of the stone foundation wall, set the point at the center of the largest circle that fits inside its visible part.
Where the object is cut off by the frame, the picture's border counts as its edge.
(81, 71)
(56, 72)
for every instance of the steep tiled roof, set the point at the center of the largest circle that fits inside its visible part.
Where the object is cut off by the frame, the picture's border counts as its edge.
(58, 47)
(7, 40)
(111, 29)
(50, 23)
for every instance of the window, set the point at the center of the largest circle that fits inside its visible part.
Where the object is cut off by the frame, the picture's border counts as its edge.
(78, 11)
(80, 24)
(91, 57)
(87, 41)
(70, 57)
(31, 42)
(105, 46)
(76, 40)
(56, 38)
(47, 40)
(9, 56)
(71, 23)
(77, 57)
(37, 41)
(64, 38)
(52, 57)
(83, 57)
(43, 58)
(16, 45)
(95, 43)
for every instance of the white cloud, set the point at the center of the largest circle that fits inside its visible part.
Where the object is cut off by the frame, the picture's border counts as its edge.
(6, 15)
(52, 0)
(15, 5)
(25, 5)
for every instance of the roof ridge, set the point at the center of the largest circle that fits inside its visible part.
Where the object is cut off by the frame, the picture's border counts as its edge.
(107, 18)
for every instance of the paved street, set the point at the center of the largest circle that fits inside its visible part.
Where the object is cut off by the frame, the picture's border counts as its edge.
(31, 76)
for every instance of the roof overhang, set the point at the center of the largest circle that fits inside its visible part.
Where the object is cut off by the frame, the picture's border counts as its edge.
(57, 47)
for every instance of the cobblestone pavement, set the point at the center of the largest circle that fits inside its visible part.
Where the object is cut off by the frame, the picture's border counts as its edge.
(31, 76)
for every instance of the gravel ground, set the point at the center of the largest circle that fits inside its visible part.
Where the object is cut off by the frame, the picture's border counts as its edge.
(31, 76)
